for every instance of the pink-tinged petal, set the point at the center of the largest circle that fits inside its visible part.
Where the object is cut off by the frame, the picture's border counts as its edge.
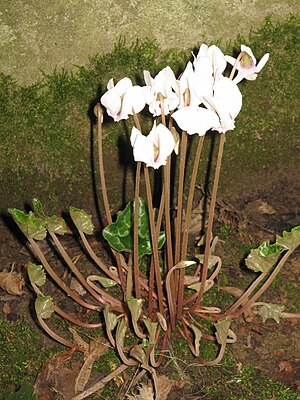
(247, 50)
(123, 85)
(142, 147)
(262, 62)
(195, 119)
(112, 102)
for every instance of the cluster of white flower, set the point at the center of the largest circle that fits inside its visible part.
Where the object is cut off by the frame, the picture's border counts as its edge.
(203, 98)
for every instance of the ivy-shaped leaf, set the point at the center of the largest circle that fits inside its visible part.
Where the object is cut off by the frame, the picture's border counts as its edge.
(151, 328)
(110, 318)
(269, 310)
(44, 306)
(105, 282)
(135, 307)
(119, 234)
(36, 274)
(222, 328)
(198, 336)
(31, 226)
(260, 263)
(54, 224)
(291, 239)
(82, 220)
(139, 354)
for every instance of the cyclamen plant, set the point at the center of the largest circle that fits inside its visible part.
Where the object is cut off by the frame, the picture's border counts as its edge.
(166, 299)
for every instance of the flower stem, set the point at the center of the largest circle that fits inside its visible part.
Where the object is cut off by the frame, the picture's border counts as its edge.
(211, 219)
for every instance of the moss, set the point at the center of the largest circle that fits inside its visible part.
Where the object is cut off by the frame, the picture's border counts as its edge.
(22, 354)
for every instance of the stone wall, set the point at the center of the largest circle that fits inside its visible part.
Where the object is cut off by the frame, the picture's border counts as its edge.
(40, 35)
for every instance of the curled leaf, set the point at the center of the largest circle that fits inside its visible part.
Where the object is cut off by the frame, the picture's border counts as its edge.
(120, 333)
(198, 336)
(162, 321)
(82, 220)
(139, 354)
(222, 328)
(212, 261)
(44, 306)
(260, 263)
(36, 274)
(54, 224)
(110, 318)
(105, 282)
(151, 328)
(290, 240)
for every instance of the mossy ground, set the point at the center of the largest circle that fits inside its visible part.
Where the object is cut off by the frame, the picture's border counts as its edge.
(46, 140)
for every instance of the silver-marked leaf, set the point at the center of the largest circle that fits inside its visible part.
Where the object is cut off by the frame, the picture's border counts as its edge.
(54, 224)
(260, 263)
(222, 328)
(82, 220)
(135, 307)
(119, 234)
(290, 240)
(269, 310)
(36, 274)
(31, 226)
(44, 306)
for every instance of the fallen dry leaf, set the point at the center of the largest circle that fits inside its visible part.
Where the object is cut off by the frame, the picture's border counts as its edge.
(56, 377)
(12, 282)
(97, 348)
(165, 385)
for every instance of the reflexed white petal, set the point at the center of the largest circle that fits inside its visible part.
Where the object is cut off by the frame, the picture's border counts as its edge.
(195, 119)
(133, 99)
(110, 84)
(123, 85)
(230, 60)
(262, 62)
(148, 78)
(218, 60)
(142, 147)
(112, 101)
(163, 139)
(228, 94)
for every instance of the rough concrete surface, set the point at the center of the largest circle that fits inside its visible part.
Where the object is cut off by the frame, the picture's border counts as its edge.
(42, 35)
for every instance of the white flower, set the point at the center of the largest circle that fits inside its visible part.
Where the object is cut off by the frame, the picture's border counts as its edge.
(165, 84)
(226, 103)
(122, 98)
(247, 67)
(200, 76)
(153, 149)
(222, 109)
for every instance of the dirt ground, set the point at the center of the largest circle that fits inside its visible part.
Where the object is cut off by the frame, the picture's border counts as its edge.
(258, 216)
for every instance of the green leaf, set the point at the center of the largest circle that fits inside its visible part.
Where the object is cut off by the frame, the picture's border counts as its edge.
(54, 224)
(31, 226)
(110, 318)
(151, 328)
(36, 274)
(139, 354)
(135, 307)
(26, 392)
(260, 263)
(105, 282)
(120, 333)
(267, 249)
(82, 220)
(44, 306)
(291, 239)
(119, 234)
(198, 336)
(269, 310)
(222, 328)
